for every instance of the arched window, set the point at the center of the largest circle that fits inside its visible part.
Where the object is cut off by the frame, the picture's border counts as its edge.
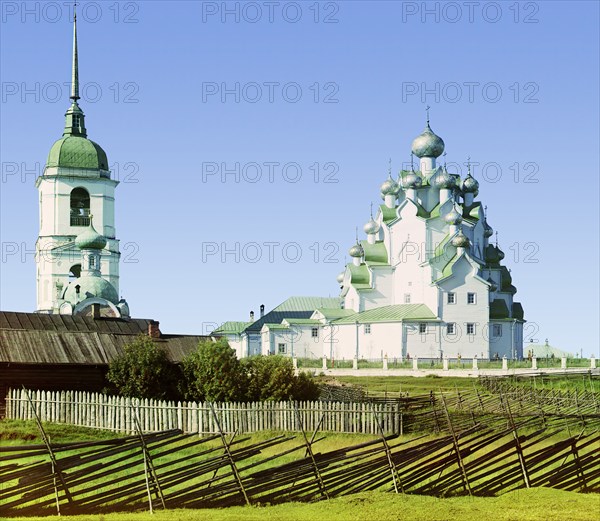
(80, 207)
(75, 272)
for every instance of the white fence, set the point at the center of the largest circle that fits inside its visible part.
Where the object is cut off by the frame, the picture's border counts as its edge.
(117, 413)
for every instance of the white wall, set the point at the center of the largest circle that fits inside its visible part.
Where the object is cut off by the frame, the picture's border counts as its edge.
(461, 312)
(55, 251)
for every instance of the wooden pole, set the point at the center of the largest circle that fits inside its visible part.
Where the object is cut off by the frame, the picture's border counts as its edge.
(388, 453)
(229, 455)
(310, 452)
(148, 464)
(56, 472)
(518, 447)
(459, 460)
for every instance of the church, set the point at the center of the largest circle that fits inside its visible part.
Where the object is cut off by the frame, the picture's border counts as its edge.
(77, 266)
(427, 281)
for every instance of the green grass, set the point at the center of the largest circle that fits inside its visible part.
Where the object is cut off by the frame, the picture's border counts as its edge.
(396, 385)
(20, 432)
(522, 505)
(573, 382)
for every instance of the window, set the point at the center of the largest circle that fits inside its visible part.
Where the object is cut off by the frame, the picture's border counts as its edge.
(407, 298)
(410, 283)
(470, 328)
(75, 272)
(497, 330)
(367, 329)
(471, 298)
(422, 328)
(451, 298)
(80, 207)
(451, 328)
(281, 349)
(314, 333)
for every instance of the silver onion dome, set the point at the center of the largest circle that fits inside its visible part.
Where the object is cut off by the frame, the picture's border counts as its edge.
(453, 217)
(371, 227)
(461, 240)
(340, 277)
(443, 179)
(412, 180)
(428, 144)
(470, 185)
(389, 187)
(356, 251)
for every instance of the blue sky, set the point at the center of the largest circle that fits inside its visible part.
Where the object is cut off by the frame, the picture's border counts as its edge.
(311, 100)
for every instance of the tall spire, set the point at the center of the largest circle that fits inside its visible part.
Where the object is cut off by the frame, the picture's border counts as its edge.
(75, 119)
(75, 72)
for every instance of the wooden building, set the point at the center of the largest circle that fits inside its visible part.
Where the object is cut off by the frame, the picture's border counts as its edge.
(72, 352)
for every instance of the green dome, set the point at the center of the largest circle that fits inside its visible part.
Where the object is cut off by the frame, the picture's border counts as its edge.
(90, 239)
(90, 286)
(77, 152)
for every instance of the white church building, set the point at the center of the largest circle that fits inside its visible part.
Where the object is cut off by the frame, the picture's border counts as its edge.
(77, 266)
(426, 282)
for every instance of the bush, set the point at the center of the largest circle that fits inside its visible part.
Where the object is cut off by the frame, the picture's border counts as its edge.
(144, 371)
(213, 373)
(305, 388)
(273, 378)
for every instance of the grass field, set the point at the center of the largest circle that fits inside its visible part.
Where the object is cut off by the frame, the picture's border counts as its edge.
(396, 385)
(522, 505)
(19, 432)
(535, 504)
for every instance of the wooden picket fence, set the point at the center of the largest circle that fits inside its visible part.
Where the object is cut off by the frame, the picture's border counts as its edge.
(117, 414)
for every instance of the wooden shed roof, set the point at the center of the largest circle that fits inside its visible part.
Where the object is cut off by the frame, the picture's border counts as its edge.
(34, 338)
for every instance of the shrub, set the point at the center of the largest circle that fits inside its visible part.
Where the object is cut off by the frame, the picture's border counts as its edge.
(305, 388)
(144, 371)
(213, 373)
(273, 378)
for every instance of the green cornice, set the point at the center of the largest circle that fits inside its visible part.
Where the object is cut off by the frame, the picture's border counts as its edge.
(375, 254)
(360, 278)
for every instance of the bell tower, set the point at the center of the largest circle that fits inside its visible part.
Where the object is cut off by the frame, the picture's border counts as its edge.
(76, 183)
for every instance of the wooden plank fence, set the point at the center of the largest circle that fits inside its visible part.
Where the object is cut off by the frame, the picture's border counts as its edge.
(117, 414)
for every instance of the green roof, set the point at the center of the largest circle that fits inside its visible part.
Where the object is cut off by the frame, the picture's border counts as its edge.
(499, 309)
(447, 271)
(439, 249)
(231, 328)
(506, 285)
(90, 286)
(309, 303)
(545, 350)
(301, 321)
(77, 152)
(396, 313)
(473, 212)
(375, 254)
(435, 212)
(360, 277)
(333, 313)
(276, 326)
(517, 311)
(389, 214)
